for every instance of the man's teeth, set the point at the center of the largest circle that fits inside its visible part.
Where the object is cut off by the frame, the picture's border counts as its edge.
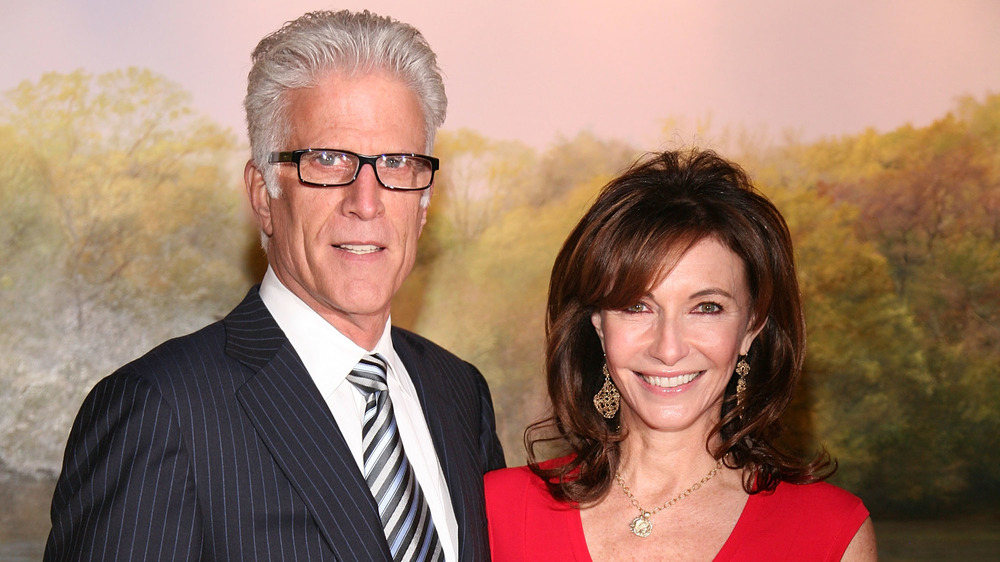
(359, 248)
(670, 382)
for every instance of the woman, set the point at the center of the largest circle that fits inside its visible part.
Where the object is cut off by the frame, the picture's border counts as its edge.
(675, 339)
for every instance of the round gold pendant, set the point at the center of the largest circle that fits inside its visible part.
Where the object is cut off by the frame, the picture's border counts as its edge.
(641, 526)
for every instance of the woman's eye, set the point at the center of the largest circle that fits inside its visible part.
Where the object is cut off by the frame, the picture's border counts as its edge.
(709, 308)
(636, 308)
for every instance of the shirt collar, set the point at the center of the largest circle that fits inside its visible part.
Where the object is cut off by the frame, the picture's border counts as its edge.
(322, 348)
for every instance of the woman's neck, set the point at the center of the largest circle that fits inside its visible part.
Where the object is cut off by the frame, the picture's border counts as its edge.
(660, 461)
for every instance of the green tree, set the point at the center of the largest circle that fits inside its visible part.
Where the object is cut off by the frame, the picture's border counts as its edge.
(480, 180)
(483, 293)
(928, 200)
(127, 227)
(865, 376)
(486, 302)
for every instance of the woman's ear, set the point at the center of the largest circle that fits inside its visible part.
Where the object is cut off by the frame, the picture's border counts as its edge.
(597, 321)
(749, 337)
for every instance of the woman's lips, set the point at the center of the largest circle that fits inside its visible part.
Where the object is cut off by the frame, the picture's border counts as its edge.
(670, 382)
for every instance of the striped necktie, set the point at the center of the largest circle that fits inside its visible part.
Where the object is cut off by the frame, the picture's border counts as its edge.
(406, 517)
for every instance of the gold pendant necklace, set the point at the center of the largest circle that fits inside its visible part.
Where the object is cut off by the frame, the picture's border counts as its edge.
(642, 526)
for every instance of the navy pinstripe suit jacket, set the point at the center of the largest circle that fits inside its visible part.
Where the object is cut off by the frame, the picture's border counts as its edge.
(218, 446)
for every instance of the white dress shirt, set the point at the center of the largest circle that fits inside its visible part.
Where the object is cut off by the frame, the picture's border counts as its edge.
(329, 356)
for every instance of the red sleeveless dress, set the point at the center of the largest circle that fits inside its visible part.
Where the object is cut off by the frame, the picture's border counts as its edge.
(794, 523)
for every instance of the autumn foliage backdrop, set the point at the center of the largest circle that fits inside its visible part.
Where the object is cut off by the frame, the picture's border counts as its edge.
(125, 224)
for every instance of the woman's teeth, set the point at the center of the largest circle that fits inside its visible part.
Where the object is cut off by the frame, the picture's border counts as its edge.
(670, 382)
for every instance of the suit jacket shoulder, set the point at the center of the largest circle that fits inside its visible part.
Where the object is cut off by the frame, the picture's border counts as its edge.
(213, 446)
(459, 411)
(451, 388)
(217, 445)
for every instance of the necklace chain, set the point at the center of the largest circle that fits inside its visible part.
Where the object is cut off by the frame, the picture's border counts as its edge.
(641, 526)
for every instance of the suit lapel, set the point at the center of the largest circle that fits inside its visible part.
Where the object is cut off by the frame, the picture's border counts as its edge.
(296, 425)
(434, 402)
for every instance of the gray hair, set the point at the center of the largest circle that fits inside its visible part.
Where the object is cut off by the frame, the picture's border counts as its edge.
(303, 51)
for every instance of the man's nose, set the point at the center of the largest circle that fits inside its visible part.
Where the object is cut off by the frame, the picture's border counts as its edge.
(364, 194)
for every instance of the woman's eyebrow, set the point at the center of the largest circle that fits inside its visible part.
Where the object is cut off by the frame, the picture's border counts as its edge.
(712, 291)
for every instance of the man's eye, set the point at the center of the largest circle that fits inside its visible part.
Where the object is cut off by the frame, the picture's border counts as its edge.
(393, 162)
(330, 159)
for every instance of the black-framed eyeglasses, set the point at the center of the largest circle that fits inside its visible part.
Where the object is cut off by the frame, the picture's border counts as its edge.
(330, 167)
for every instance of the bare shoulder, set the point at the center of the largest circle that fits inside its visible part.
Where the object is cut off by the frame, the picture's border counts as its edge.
(862, 546)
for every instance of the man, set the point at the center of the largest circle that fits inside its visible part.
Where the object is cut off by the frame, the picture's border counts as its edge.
(266, 436)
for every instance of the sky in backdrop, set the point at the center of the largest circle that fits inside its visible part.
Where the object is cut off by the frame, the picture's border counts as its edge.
(538, 70)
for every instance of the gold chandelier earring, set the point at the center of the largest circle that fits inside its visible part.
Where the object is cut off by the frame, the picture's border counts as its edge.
(742, 369)
(607, 399)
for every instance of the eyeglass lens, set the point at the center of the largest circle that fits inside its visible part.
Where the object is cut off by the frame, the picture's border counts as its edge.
(332, 167)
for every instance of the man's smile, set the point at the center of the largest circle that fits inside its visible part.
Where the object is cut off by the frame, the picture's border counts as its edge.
(359, 249)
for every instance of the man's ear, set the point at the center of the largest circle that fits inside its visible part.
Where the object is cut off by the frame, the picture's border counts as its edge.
(260, 199)
(425, 203)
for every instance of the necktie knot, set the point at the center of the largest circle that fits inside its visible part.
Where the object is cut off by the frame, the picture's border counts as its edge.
(369, 374)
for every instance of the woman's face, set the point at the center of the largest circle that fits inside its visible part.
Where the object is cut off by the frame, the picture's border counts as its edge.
(672, 353)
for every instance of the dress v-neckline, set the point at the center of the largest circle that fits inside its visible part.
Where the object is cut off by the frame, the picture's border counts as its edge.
(582, 552)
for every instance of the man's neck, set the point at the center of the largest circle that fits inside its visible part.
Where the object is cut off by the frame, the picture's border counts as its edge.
(364, 330)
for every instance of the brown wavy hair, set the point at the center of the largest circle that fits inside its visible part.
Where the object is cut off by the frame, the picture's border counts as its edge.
(626, 243)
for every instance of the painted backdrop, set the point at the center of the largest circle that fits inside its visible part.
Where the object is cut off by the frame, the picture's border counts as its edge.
(874, 126)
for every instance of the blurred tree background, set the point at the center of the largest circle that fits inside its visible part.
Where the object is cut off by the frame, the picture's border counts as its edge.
(125, 224)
